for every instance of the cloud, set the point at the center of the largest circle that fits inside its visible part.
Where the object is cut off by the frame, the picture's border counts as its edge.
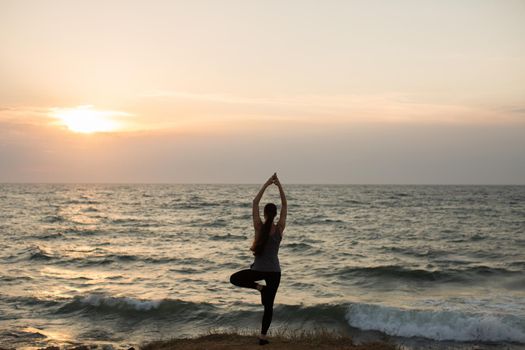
(179, 112)
(338, 108)
(517, 110)
(25, 115)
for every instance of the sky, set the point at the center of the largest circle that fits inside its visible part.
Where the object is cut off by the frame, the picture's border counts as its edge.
(335, 92)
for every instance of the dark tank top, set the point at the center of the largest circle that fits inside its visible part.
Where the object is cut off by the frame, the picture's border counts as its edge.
(268, 260)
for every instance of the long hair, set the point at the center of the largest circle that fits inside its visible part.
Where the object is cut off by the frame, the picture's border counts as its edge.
(270, 210)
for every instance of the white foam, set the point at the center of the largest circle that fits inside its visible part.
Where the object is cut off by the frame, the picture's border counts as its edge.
(438, 325)
(120, 302)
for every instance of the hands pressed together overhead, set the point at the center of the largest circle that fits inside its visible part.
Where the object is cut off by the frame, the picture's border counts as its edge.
(273, 180)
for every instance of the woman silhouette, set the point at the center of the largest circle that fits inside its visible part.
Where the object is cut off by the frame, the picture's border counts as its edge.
(265, 247)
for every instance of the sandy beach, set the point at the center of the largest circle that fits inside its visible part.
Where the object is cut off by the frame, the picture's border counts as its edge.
(236, 341)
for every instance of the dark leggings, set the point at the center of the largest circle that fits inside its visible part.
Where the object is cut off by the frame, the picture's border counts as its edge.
(247, 278)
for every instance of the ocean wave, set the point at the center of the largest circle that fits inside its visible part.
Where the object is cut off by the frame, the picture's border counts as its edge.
(519, 264)
(477, 237)
(390, 272)
(105, 304)
(186, 270)
(352, 201)
(28, 300)
(83, 200)
(302, 248)
(191, 205)
(90, 209)
(15, 278)
(135, 222)
(298, 246)
(317, 220)
(214, 223)
(437, 325)
(101, 260)
(129, 258)
(441, 325)
(401, 194)
(53, 218)
(82, 231)
(417, 251)
(49, 236)
(37, 253)
(227, 237)
(102, 304)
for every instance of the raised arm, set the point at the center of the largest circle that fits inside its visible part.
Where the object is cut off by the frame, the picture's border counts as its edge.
(257, 222)
(284, 207)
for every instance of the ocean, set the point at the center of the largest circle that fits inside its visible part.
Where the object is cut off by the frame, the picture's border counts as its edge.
(118, 265)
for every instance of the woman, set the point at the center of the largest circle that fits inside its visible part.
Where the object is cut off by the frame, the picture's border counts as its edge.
(265, 247)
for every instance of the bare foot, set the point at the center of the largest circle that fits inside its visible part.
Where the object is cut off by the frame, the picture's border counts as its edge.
(263, 340)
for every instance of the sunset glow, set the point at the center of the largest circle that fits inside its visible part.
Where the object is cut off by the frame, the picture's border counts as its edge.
(85, 119)
(339, 92)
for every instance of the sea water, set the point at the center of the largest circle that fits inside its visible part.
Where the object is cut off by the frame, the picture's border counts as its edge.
(118, 265)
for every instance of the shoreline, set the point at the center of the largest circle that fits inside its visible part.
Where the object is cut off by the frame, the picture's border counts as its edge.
(287, 339)
(316, 340)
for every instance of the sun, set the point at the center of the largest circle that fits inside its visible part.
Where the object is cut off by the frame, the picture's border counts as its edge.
(86, 119)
